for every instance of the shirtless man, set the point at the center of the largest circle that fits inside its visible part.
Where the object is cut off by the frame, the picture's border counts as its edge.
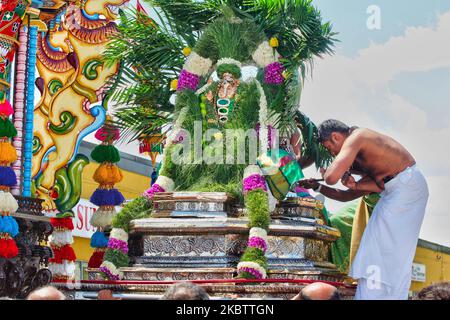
(384, 260)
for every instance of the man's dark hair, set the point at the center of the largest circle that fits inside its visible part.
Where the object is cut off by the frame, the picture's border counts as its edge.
(185, 291)
(436, 291)
(329, 126)
(334, 296)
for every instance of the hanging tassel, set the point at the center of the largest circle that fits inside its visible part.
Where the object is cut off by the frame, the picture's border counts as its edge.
(62, 223)
(107, 197)
(99, 240)
(107, 133)
(8, 153)
(103, 217)
(96, 259)
(108, 174)
(6, 109)
(7, 177)
(8, 248)
(7, 128)
(8, 203)
(105, 153)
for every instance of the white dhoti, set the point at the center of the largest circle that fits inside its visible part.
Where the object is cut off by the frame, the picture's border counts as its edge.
(383, 263)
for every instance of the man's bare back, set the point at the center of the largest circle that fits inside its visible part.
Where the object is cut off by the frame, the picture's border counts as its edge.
(380, 156)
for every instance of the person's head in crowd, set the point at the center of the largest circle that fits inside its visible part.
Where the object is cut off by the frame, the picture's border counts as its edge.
(106, 295)
(318, 291)
(436, 291)
(185, 291)
(46, 293)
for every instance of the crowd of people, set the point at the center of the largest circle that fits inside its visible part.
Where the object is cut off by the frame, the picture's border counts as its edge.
(191, 291)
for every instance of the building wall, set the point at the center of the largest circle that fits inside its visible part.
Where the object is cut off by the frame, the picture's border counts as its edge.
(437, 263)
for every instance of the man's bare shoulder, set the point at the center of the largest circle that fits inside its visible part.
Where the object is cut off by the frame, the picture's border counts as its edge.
(359, 136)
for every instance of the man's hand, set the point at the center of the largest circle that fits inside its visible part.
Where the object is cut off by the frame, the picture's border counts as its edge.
(348, 181)
(309, 184)
(322, 172)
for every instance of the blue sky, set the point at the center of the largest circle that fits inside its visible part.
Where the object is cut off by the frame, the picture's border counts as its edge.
(349, 19)
(395, 80)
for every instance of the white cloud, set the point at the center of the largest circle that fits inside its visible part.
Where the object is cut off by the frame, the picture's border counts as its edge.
(356, 91)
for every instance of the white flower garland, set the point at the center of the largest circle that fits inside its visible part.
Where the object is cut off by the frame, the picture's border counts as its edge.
(264, 55)
(197, 65)
(272, 200)
(112, 268)
(177, 126)
(258, 232)
(8, 203)
(252, 170)
(166, 183)
(263, 131)
(229, 61)
(253, 265)
(119, 234)
(61, 238)
(203, 89)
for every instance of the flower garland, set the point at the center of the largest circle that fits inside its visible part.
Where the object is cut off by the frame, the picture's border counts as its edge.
(9, 228)
(258, 200)
(263, 119)
(105, 196)
(229, 61)
(194, 68)
(264, 55)
(253, 263)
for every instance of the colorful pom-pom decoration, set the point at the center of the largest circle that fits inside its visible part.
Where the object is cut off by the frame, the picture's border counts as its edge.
(6, 109)
(7, 177)
(105, 153)
(107, 197)
(96, 259)
(7, 129)
(108, 175)
(8, 154)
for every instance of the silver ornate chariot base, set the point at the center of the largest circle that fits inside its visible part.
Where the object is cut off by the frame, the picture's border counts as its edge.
(201, 236)
(204, 231)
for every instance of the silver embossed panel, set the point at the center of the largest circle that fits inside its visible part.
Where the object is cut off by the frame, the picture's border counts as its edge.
(173, 246)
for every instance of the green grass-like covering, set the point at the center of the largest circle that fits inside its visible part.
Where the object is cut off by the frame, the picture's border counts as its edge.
(255, 255)
(257, 204)
(105, 153)
(229, 68)
(116, 257)
(137, 209)
(229, 40)
(7, 128)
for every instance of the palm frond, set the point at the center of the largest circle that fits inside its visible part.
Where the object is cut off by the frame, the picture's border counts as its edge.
(311, 148)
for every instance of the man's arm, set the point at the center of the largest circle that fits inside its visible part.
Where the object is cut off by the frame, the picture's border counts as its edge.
(366, 184)
(343, 160)
(333, 193)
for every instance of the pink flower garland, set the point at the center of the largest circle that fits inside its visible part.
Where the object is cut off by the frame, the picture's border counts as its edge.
(117, 244)
(110, 275)
(253, 182)
(252, 271)
(188, 80)
(257, 242)
(156, 188)
(274, 73)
